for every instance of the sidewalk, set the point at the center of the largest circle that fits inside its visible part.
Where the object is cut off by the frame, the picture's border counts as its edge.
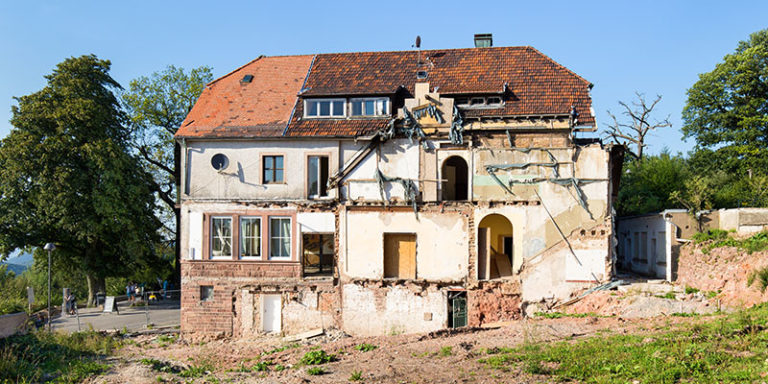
(163, 314)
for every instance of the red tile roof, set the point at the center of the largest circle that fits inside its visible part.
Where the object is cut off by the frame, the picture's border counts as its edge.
(227, 108)
(537, 85)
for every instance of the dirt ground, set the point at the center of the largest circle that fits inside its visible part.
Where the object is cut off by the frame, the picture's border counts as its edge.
(422, 358)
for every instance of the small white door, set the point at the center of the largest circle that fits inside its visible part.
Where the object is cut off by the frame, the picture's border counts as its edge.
(270, 313)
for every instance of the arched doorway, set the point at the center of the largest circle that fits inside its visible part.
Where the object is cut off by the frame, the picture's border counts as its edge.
(495, 244)
(455, 175)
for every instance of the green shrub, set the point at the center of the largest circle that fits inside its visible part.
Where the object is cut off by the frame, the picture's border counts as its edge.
(314, 371)
(760, 276)
(445, 351)
(365, 347)
(710, 235)
(317, 357)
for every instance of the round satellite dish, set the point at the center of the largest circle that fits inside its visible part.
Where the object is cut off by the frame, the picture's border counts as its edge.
(219, 162)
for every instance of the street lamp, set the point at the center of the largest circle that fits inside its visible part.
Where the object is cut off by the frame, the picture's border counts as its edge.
(49, 247)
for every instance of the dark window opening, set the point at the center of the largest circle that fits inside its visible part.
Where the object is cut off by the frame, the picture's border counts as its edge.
(455, 179)
(508, 247)
(317, 174)
(318, 252)
(206, 293)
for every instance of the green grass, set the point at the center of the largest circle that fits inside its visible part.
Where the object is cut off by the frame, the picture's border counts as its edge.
(669, 295)
(365, 347)
(314, 371)
(689, 290)
(445, 351)
(558, 315)
(760, 276)
(317, 357)
(755, 243)
(280, 349)
(202, 368)
(724, 349)
(65, 358)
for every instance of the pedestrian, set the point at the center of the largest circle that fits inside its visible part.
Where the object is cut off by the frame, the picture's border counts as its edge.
(129, 291)
(72, 304)
(68, 303)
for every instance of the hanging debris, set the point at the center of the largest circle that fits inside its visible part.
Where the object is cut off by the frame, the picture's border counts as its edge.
(409, 189)
(411, 126)
(456, 132)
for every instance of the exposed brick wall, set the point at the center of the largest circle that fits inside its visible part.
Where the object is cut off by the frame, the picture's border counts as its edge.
(493, 301)
(218, 316)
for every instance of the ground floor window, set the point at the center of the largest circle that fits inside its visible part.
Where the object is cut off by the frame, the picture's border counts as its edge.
(221, 237)
(317, 255)
(279, 237)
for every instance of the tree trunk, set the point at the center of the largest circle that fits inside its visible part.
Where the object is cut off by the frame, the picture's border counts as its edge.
(95, 285)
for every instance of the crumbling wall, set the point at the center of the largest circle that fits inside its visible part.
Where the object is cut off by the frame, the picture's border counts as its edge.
(379, 308)
(305, 306)
(441, 241)
(725, 271)
(493, 301)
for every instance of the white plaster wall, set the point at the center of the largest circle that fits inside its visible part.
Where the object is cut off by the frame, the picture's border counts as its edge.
(441, 243)
(585, 264)
(729, 219)
(367, 313)
(316, 222)
(656, 228)
(242, 179)
(396, 158)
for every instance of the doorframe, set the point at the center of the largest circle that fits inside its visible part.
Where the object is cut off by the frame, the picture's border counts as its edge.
(261, 311)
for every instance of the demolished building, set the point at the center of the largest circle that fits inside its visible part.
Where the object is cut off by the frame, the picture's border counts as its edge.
(391, 192)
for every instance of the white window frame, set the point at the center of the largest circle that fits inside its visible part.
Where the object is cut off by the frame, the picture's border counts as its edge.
(384, 112)
(290, 238)
(318, 116)
(242, 238)
(231, 237)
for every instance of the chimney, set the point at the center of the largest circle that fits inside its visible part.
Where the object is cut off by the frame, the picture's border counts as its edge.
(483, 40)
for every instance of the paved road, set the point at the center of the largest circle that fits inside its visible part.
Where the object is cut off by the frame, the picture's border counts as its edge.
(166, 314)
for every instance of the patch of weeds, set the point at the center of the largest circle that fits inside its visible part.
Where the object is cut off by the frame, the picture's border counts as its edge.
(43, 356)
(280, 349)
(710, 235)
(365, 347)
(755, 243)
(280, 367)
(197, 370)
(314, 371)
(317, 357)
(711, 294)
(445, 351)
(669, 295)
(261, 366)
(685, 314)
(689, 290)
(356, 376)
(760, 276)
(558, 315)
(726, 349)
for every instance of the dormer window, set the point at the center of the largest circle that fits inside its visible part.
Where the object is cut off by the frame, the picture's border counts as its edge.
(479, 102)
(324, 108)
(370, 106)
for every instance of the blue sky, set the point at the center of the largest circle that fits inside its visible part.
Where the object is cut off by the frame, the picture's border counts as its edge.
(654, 47)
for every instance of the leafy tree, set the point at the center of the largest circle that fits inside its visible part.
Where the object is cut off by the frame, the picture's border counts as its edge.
(727, 110)
(639, 124)
(66, 176)
(646, 185)
(156, 106)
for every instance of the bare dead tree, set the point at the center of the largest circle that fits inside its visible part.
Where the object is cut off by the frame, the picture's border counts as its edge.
(634, 131)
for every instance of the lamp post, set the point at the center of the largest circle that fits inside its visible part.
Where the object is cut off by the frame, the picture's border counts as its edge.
(49, 247)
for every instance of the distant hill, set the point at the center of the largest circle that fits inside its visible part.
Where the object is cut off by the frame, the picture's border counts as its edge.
(19, 263)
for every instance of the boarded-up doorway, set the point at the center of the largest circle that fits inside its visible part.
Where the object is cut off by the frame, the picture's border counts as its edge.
(270, 313)
(400, 255)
